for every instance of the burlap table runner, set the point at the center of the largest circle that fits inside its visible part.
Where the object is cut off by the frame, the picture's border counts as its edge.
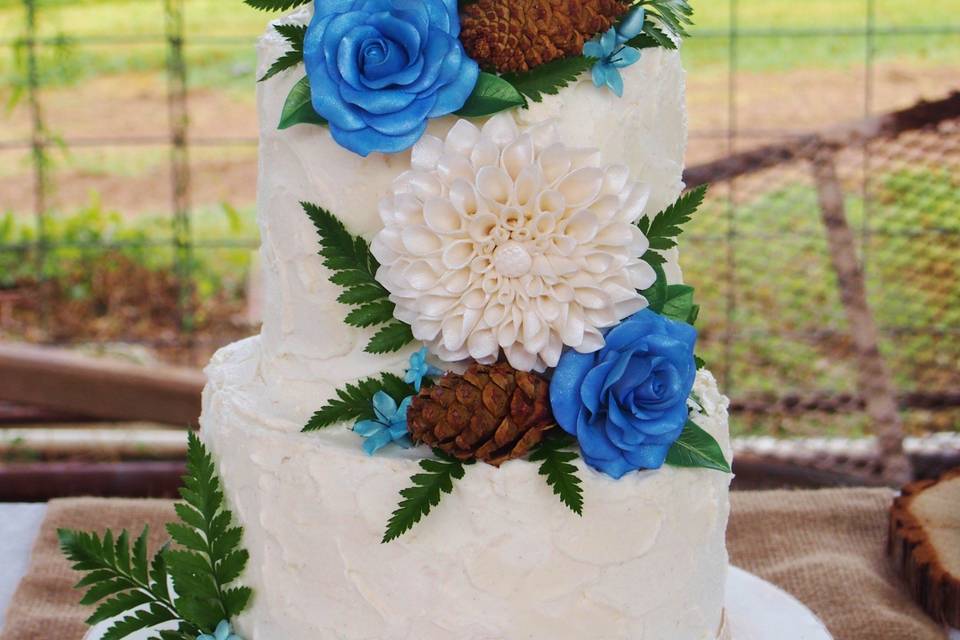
(825, 547)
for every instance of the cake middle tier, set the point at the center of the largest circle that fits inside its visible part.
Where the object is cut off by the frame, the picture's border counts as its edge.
(500, 559)
(306, 344)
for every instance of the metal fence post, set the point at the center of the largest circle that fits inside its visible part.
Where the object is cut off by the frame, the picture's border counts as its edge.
(180, 161)
(38, 147)
(874, 382)
(731, 214)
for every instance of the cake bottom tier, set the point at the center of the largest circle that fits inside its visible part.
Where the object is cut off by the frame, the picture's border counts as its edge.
(499, 559)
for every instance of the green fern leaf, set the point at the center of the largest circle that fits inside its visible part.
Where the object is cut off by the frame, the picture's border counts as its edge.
(425, 494)
(232, 566)
(371, 314)
(663, 229)
(294, 34)
(121, 603)
(652, 36)
(549, 78)
(210, 561)
(186, 536)
(159, 577)
(122, 580)
(396, 387)
(558, 470)
(104, 589)
(355, 271)
(355, 401)
(141, 565)
(225, 543)
(390, 338)
(674, 15)
(275, 5)
(143, 619)
(237, 599)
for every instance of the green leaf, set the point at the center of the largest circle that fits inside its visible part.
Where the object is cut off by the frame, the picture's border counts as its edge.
(294, 34)
(396, 387)
(123, 602)
(159, 577)
(549, 78)
(232, 566)
(298, 109)
(678, 304)
(699, 362)
(115, 579)
(364, 293)
(656, 295)
(425, 494)
(371, 314)
(141, 566)
(560, 474)
(392, 337)
(237, 599)
(275, 5)
(104, 589)
(697, 448)
(663, 229)
(651, 37)
(120, 578)
(673, 15)
(143, 619)
(355, 401)
(355, 270)
(491, 94)
(212, 559)
(186, 536)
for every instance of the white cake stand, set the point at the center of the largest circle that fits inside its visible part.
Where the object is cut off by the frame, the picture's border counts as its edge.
(756, 610)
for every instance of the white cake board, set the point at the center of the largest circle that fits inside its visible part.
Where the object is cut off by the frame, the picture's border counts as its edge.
(756, 610)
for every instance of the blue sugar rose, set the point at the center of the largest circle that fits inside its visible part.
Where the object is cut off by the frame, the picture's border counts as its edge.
(627, 402)
(379, 69)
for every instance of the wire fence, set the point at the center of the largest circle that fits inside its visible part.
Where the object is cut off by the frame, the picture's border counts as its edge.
(774, 327)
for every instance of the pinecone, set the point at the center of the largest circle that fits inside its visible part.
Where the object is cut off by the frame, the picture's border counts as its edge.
(492, 413)
(518, 35)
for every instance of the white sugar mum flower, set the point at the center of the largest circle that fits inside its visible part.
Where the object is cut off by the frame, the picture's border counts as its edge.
(500, 238)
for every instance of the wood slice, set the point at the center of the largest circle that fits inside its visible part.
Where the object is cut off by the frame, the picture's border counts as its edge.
(924, 543)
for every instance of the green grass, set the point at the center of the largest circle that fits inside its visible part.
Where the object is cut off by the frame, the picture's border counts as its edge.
(786, 292)
(147, 240)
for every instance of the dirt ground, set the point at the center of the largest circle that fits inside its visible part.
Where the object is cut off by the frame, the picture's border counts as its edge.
(125, 111)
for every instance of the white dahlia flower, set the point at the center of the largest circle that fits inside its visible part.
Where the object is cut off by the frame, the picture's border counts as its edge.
(499, 238)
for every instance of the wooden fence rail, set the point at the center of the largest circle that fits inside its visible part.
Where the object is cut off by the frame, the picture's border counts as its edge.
(67, 382)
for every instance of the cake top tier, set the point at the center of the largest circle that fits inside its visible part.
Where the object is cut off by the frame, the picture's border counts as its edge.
(378, 70)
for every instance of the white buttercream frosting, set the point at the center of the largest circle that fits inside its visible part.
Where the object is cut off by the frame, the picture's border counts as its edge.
(499, 559)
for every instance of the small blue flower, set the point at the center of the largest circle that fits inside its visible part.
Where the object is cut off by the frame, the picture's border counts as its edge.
(612, 52)
(420, 369)
(389, 425)
(223, 632)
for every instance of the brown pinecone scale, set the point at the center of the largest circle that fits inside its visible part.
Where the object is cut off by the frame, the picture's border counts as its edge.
(492, 413)
(518, 35)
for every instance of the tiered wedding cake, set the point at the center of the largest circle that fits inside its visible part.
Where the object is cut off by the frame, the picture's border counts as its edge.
(503, 235)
